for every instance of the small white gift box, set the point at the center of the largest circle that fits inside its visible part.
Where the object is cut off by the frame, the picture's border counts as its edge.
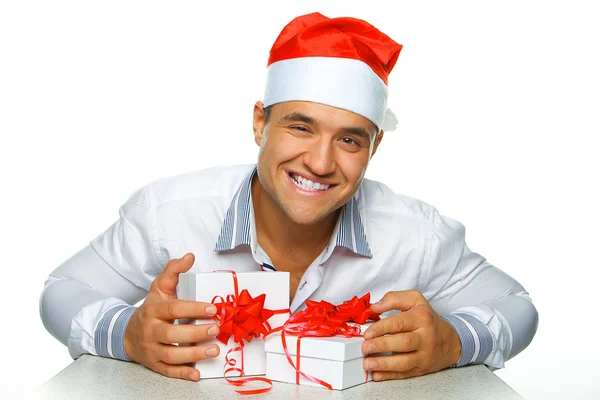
(336, 360)
(205, 286)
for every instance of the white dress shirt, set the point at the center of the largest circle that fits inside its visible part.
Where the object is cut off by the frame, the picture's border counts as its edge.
(382, 242)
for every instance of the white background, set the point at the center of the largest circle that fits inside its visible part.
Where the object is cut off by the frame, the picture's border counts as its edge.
(498, 108)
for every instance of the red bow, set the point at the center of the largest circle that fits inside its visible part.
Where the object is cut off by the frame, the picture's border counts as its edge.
(354, 310)
(243, 317)
(322, 319)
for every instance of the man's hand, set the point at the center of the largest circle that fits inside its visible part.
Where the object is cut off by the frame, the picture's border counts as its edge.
(422, 340)
(151, 333)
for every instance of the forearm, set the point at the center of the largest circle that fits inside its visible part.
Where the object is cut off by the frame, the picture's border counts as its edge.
(492, 313)
(61, 301)
(72, 312)
(82, 302)
(495, 331)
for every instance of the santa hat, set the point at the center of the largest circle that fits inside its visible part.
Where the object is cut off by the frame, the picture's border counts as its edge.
(341, 62)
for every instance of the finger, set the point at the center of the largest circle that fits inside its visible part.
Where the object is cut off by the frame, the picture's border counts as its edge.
(379, 376)
(177, 371)
(171, 333)
(175, 309)
(166, 282)
(407, 321)
(176, 355)
(400, 342)
(395, 362)
(402, 300)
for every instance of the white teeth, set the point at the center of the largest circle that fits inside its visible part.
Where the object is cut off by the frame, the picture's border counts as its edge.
(307, 184)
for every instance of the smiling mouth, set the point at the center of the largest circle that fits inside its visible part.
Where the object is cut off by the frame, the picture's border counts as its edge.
(307, 184)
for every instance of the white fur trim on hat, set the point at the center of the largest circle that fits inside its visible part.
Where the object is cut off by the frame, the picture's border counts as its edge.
(339, 82)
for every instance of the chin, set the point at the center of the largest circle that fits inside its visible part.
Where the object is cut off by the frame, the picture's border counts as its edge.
(305, 218)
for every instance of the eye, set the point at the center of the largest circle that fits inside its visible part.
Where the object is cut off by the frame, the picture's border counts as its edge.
(300, 131)
(349, 141)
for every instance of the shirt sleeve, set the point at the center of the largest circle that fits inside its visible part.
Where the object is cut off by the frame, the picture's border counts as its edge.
(87, 301)
(492, 313)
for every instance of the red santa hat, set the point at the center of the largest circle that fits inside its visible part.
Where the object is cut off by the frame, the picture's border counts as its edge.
(341, 62)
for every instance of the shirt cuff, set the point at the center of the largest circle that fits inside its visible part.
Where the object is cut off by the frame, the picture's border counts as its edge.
(109, 337)
(475, 338)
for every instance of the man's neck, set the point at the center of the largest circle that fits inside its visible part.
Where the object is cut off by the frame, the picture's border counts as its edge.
(277, 233)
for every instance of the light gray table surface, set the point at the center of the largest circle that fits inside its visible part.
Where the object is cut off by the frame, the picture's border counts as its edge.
(101, 378)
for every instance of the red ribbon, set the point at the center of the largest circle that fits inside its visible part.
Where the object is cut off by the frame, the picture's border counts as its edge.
(244, 317)
(323, 319)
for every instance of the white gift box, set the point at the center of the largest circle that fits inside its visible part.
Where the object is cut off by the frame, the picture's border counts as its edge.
(205, 286)
(336, 360)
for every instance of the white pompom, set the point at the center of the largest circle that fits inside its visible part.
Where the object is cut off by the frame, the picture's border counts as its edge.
(390, 122)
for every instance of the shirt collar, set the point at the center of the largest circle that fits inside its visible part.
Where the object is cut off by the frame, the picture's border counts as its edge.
(236, 228)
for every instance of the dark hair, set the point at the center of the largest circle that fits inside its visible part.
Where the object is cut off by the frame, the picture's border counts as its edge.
(267, 113)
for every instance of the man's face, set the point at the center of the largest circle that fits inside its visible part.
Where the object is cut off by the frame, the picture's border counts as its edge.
(312, 157)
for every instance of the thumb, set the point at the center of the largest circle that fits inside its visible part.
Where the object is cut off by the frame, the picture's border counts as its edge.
(403, 301)
(166, 283)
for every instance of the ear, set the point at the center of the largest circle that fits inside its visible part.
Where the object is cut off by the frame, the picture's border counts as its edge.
(258, 122)
(377, 141)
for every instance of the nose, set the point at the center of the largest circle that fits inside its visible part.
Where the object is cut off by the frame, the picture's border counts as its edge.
(320, 157)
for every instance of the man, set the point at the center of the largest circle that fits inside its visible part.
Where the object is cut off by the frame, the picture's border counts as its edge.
(306, 209)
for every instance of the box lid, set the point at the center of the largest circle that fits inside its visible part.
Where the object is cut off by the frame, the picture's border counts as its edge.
(336, 348)
(203, 286)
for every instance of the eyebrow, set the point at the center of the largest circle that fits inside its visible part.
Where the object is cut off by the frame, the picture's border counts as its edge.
(299, 117)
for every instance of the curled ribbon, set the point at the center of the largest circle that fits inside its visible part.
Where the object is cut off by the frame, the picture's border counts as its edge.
(245, 318)
(323, 319)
